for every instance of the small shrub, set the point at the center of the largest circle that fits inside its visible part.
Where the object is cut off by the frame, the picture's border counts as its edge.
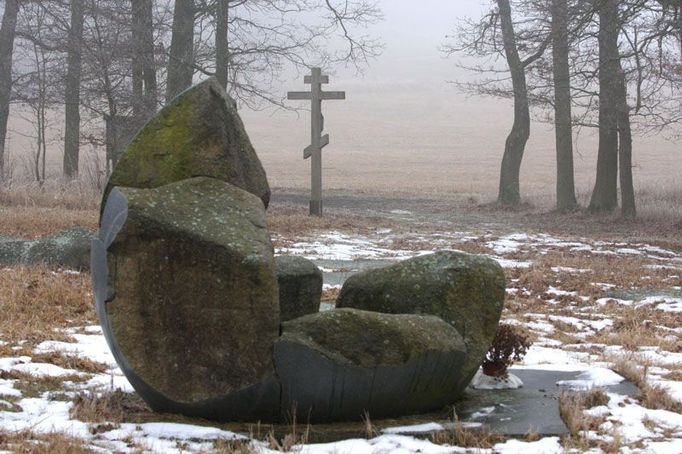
(510, 344)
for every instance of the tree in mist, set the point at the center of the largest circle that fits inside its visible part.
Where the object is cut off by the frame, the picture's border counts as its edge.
(605, 193)
(247, 45)
(181, 56)
(7, 34)
(563, 121)
(494, 36)
(144, 80)
(38, 87)
(221, 11)
(72, 94)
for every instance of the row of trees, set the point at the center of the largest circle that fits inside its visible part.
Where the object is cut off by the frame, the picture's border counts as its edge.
(121, 59)
(615, 65)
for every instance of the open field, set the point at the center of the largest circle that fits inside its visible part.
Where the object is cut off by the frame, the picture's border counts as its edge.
(592, 301)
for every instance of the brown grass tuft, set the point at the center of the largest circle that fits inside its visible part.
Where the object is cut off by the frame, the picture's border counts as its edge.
(53, 443)
(36, 302)
(480, 438)
(109, 407)
(651, 396)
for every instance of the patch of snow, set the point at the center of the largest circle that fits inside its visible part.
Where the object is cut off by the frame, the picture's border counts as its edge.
(384, 443)
(7, 389)
(548, 445)
(544, 358)
(566, 269)
(558, 292)
(483, 381)
(90, 346)
(414, 429)
(593, 378)
(43, 370)
(507, 263)
(663, 303)
(605, 301)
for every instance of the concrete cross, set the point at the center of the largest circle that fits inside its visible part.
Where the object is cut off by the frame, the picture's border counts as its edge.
(317, 141)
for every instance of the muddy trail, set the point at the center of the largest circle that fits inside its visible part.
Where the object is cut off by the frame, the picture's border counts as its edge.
(464, 213)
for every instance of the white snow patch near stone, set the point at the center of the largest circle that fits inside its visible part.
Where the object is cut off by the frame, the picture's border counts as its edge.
(593, 378)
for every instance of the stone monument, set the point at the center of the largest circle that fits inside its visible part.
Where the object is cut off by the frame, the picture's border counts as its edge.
(188, 292)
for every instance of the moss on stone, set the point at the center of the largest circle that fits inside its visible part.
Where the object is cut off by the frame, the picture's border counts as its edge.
(194, 306)
(371, 339)
(465, 290)
(198, 134)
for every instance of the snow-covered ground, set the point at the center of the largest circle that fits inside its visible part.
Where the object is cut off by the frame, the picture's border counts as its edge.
(571, 325)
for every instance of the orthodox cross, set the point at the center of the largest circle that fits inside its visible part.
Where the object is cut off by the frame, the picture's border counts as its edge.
(317, 140)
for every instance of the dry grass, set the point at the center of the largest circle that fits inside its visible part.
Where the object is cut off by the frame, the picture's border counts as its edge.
(223, 446)
(293, 222)
(54, 443)
(36, 302)
(70, 362)
(35, 386)
(480, 438)
(110, 407)
(572, 406)
(33, 222)
(70, 195)
(635, 369)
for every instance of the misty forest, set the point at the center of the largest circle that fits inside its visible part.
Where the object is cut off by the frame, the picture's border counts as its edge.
(504, 172)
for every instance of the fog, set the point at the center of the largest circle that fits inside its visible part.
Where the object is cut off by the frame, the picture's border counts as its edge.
(404, 126)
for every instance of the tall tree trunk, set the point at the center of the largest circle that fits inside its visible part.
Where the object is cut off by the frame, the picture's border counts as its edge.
(143, 64)
(7, 32)
(148, 60)
(137, 58)
(627, 190)
(605, 193)
(181, 61)
(510, 193)
(222, 50)
(72, 96)
(565, 185)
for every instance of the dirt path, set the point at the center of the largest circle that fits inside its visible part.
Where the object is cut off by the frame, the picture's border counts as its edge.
(459, 213)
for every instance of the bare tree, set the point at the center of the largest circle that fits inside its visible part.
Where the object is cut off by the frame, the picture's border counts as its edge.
(7, 34)
(563, 121)
(222, 49)
(497, 34)
(181, 57)
(144, 82)
(72, 95)
(268, 36)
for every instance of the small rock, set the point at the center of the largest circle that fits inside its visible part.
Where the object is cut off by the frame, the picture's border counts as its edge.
(339, 364)
(465, 290)
(300, 287)
(67, 249)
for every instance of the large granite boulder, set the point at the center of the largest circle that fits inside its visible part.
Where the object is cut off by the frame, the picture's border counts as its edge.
(187, 294)
(337, 365)
(199, 133)
(467, 291)
(300, 287)
(67, 249)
